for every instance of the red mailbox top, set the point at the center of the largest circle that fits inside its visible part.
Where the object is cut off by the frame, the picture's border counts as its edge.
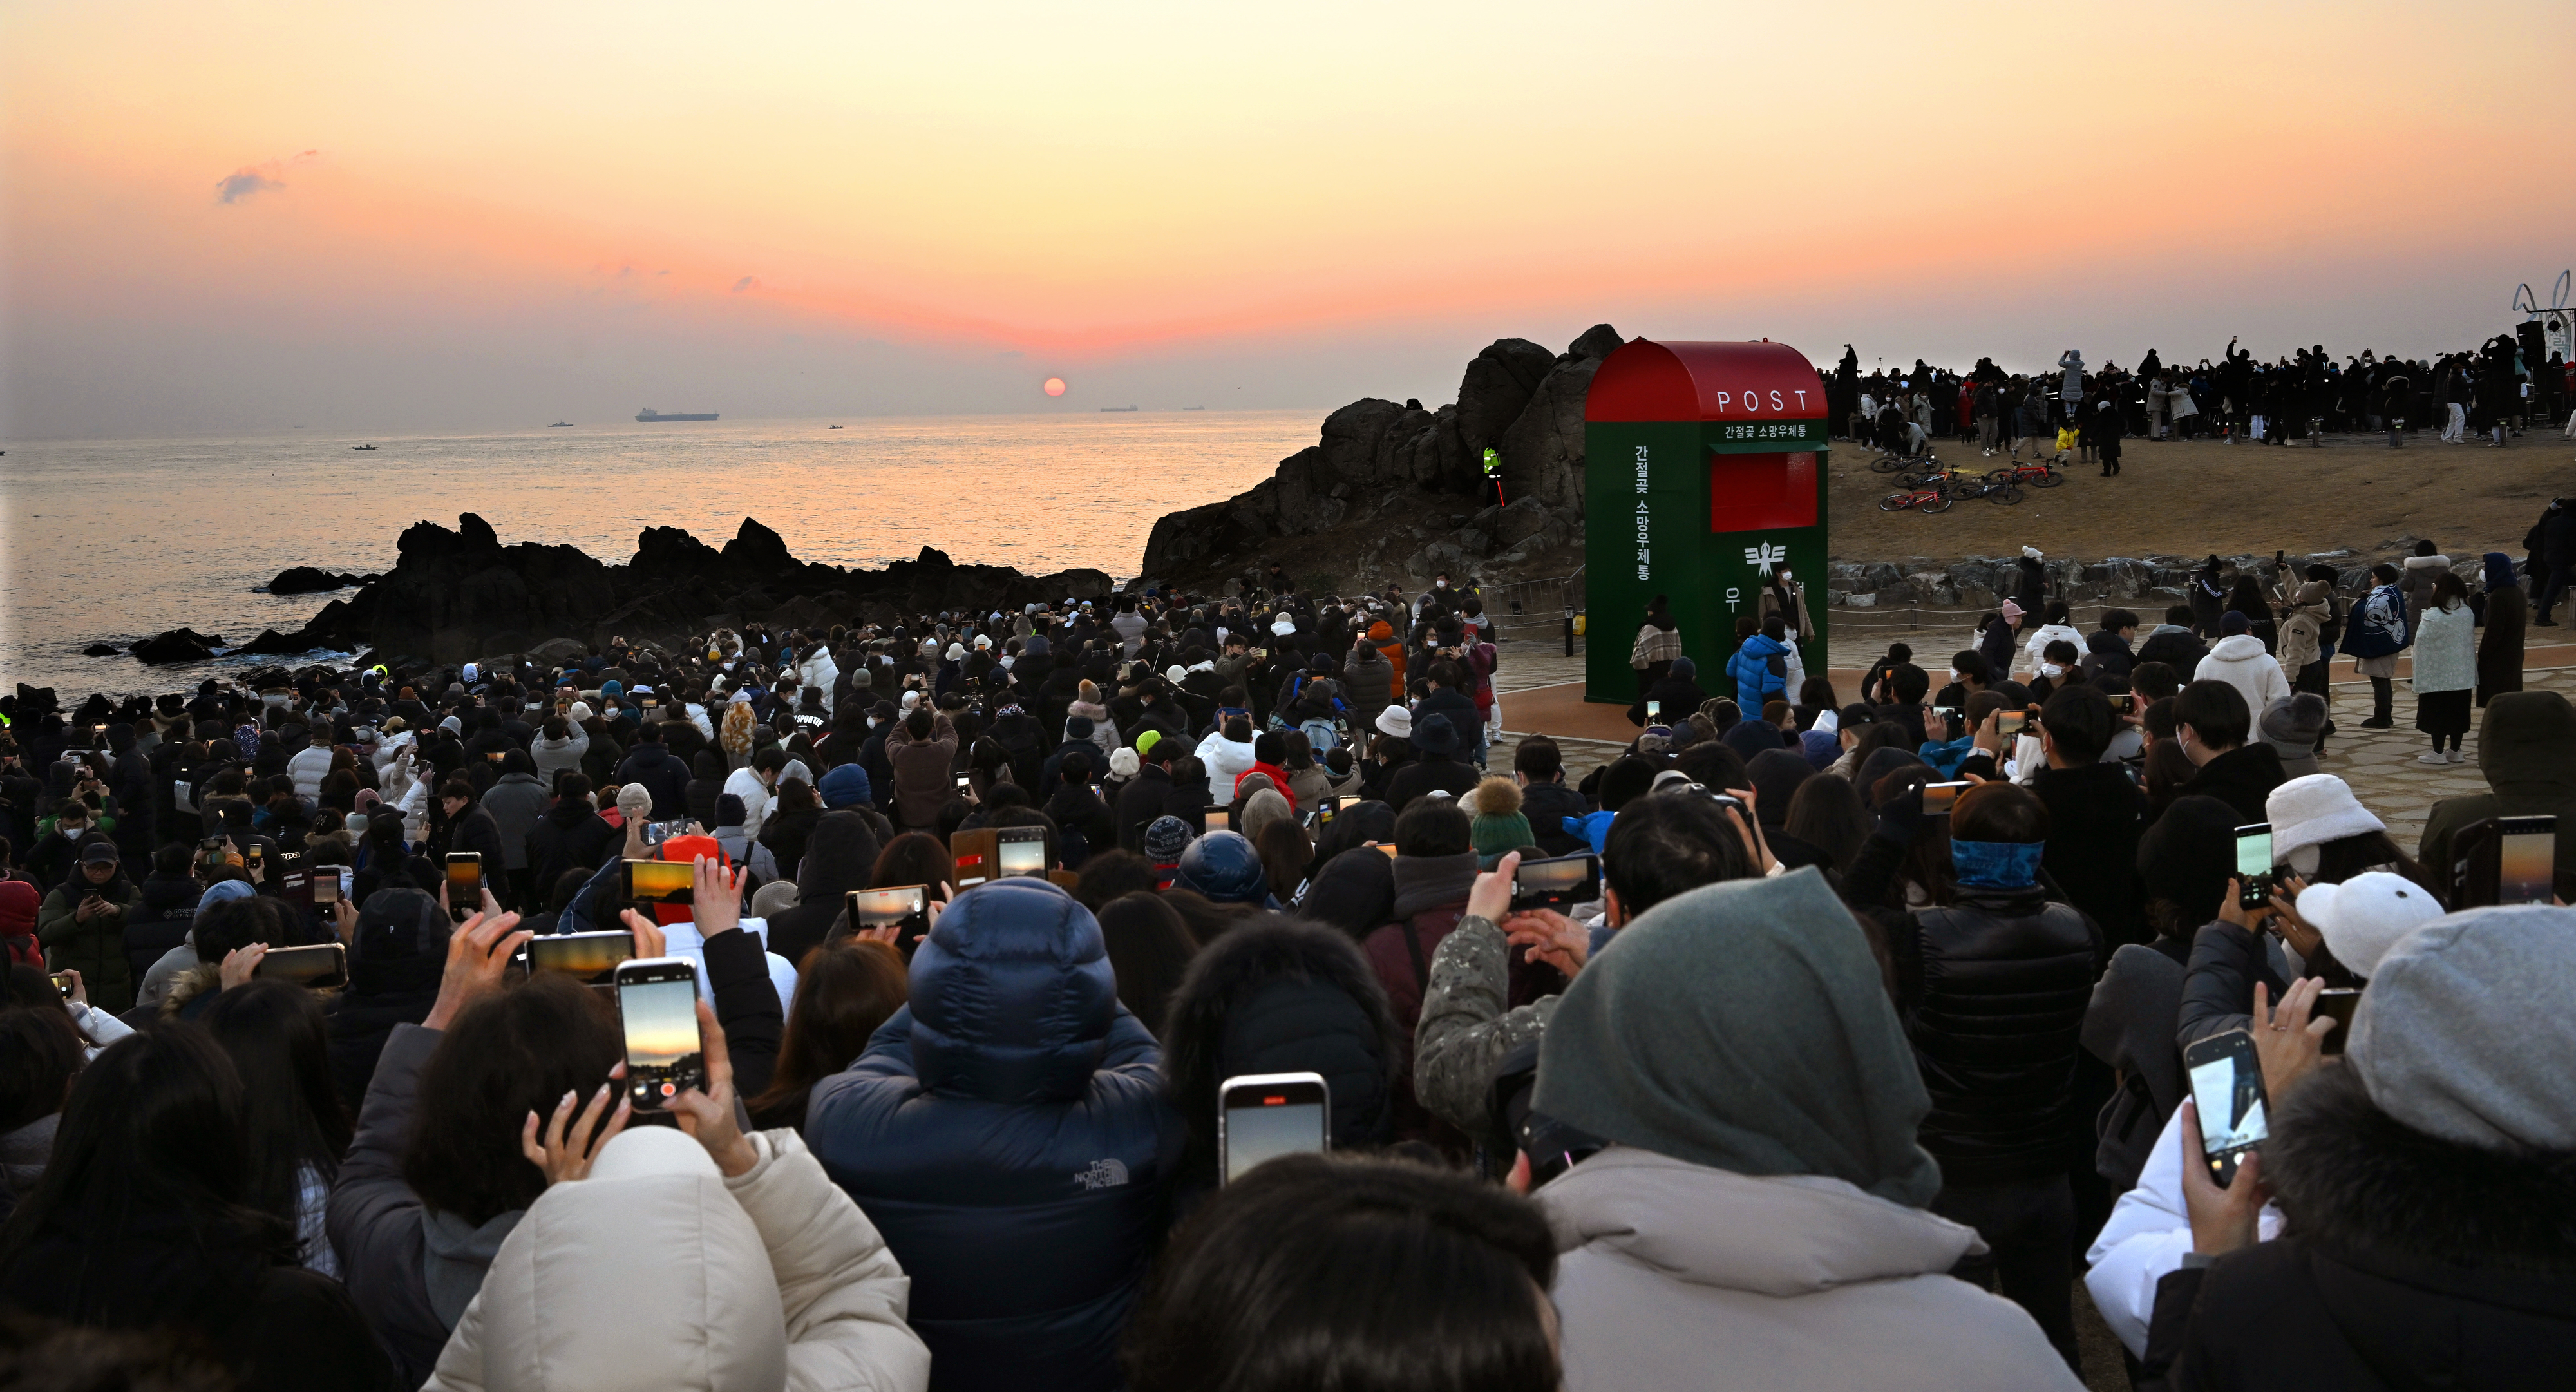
(1645, 381)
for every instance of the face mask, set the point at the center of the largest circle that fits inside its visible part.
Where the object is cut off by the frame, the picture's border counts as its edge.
(1439, 584)
(2051, 669)
(1954, 676)
(72, 833)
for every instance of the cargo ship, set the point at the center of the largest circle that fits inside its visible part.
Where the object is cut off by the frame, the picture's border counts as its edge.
(650, 416)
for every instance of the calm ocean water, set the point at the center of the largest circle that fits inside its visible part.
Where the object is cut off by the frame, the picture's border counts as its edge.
(113, 540)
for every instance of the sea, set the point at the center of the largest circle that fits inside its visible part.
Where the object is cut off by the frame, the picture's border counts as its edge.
(111, 541)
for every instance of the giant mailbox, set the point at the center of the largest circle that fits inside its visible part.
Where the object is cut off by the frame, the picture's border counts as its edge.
(1704, 474)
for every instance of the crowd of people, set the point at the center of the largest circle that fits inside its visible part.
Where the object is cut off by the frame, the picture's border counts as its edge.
(1830, 1078)
(2506, 385)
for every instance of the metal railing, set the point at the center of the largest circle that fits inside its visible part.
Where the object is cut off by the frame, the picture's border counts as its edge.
(1525, 606)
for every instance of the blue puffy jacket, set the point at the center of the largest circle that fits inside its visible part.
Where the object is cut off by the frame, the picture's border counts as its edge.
(1750, 668)
(1006, 1132)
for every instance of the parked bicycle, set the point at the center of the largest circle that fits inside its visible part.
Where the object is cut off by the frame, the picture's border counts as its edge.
(2038, 473)
(1934, 496)
(1904, 463)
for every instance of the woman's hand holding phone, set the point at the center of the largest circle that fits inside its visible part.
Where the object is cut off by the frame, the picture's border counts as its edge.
(344, 920)
(1748, 821)
(708, 1115)
(2301, 935)
(2232, 910)
(477, 953)
(2286, 1039)
(650, 940)
(241, 964)
(2222, 1220)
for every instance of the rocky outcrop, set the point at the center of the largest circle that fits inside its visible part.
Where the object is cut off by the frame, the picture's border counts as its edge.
(313, 580)
(1382, 470)
(177, 645)
(457, 595)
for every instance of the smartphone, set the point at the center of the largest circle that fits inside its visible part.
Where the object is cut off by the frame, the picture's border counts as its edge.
(327, 889)
(1019, 851)
(585, 957)
(965, 784)
(661, 881)
(905, 905)
(2526, 859)
(1939, 798)
(2337, 1004)
(1346, 802)
(253, 854)
(63, 983)
(1262, 1116)
(1386, 846)
(1219, 819)
(319, 967)
(1654, 712)
(655, 833)
(657, 1002)
(2227, 1090)
(1559, 884)
(2125, 703)
(464, 883)
(496, 756)
(2011, 722)
(2254, 865)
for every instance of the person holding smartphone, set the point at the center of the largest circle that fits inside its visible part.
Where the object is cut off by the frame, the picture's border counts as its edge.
(82, 924)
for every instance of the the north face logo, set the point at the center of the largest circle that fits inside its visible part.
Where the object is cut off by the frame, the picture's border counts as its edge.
(1103, 1174)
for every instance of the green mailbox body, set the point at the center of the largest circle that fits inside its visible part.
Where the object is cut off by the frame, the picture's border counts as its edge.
(1704, 473)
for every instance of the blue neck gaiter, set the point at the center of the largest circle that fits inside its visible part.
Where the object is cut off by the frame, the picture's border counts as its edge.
(1997, 864)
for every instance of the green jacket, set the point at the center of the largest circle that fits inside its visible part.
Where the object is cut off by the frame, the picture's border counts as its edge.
(1465, 1030)
(95, 949)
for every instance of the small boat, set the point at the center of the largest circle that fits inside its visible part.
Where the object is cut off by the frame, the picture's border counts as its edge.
(560, 425)
(362, 447)
(833, 427)
(1118, 408)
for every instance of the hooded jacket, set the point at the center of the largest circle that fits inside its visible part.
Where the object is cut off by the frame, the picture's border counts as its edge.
(2241, 662)
(396, 960)
(1006, 1131)
(785, 1282)
(922, 783)
(2412, 1261)
(2527, 750)
(652, 766)
(2302, 628)
(840, 856)
(1226, 760)
(1783, 1227)
(1750, 669)
(95, 949)
(515, 800)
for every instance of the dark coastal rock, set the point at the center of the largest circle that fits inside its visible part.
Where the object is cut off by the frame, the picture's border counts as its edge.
(309, 580)
(177, 645)
(1380, 469)
(101, 650)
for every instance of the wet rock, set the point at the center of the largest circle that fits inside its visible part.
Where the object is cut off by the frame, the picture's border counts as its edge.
(308, 580)
(101, 650)
(177, 645)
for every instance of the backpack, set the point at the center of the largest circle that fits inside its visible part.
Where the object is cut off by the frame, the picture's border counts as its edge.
(2330, 630)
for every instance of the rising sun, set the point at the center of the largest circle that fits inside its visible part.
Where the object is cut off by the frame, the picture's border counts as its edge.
(1055, 386)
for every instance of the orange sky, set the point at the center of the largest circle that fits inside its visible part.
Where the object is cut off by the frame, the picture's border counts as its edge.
(809, 208)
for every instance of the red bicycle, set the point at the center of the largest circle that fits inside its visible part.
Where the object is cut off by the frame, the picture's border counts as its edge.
(2039, 473)
(1933, 496)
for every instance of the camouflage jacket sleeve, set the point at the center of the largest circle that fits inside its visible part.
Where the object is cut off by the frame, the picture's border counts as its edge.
(1465, 1030)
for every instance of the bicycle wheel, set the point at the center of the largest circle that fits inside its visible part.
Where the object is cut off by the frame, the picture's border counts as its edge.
(1996, 478)
(1896, 502)
(2047, 479)
(2004, 494)
(1937, 501)
(1886, 464)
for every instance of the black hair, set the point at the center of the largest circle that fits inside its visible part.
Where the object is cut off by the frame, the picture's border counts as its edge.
(237, 923)
(1150, 948)
(152, 1134)
(1910, 683)
(1899, 654)
(1971, 666)
(2000, 811)
(1670, 843)
(1363, 1275)
(2216, 713)
(2113, 620)
(2079, 723)
(1539, 758)
(1826, 813)
(1627, 779)
(503, 1057)
(2154, 680)
(292, 1120)
(1434, 827)
(41, 1050)
(1774, 629)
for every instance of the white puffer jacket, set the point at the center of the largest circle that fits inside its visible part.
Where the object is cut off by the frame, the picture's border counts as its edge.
(657, 1272)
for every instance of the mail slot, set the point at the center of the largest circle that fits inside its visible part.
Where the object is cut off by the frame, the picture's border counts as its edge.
(1704, 482)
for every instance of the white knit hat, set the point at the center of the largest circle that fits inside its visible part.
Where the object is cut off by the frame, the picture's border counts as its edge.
(1123, 763)
(2365, 916)
(2313, 810)
(1283, 625)
(1396, 721)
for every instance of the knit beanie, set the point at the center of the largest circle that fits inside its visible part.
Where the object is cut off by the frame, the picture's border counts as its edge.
(1165, 839)
(1146, 741)
(1123, 764)
(1499, 825)
(2465, 1031)
(635, 803)
(1264, 806)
